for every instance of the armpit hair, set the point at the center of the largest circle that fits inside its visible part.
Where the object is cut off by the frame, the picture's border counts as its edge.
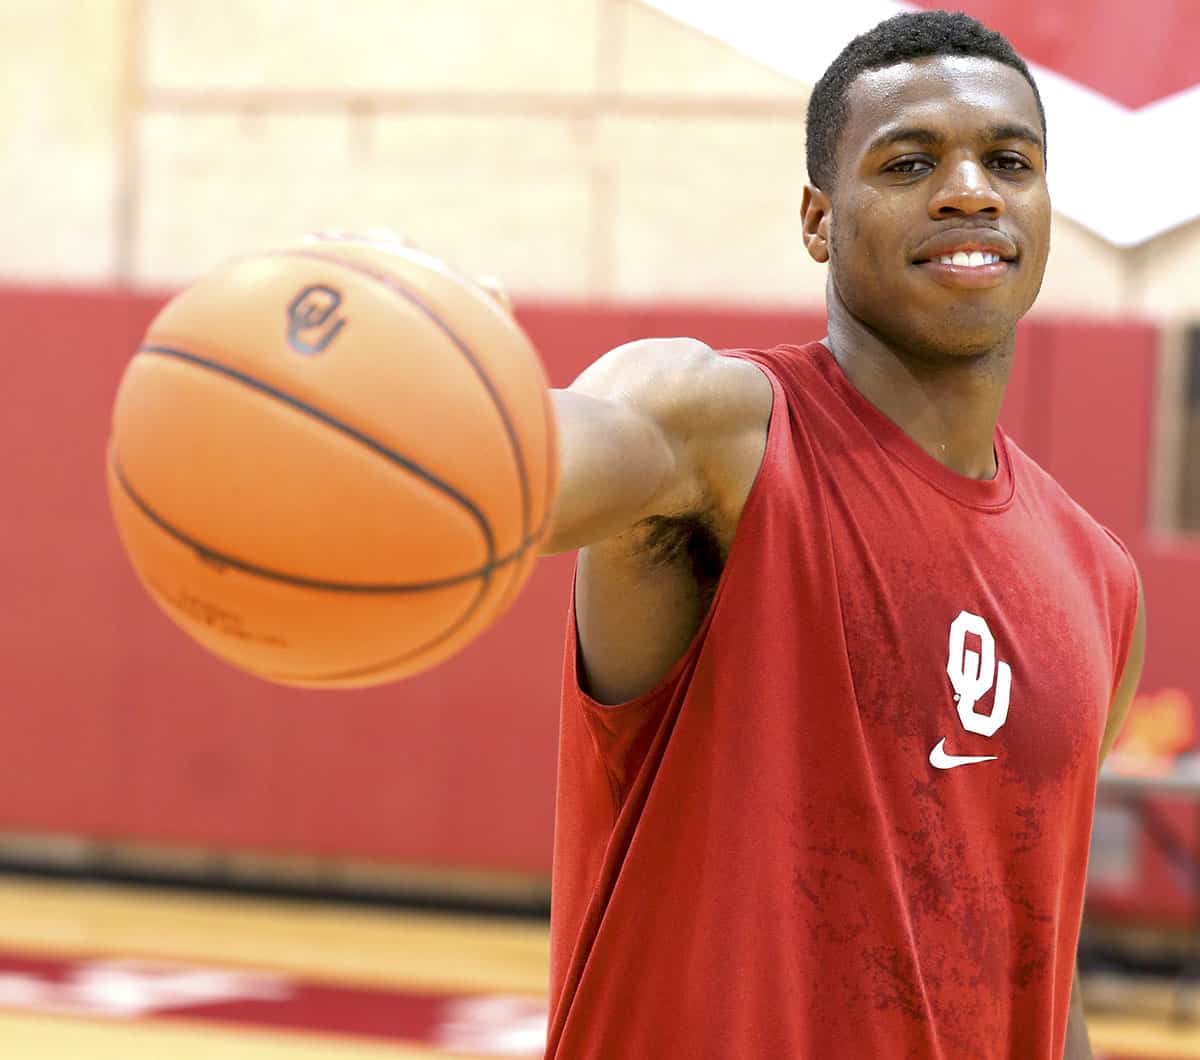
(688, 542)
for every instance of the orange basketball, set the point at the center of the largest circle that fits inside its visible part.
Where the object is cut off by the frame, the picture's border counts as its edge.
(332, 464)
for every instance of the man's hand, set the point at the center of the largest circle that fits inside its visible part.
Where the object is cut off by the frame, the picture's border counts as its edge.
(496, 289)
(388, 237)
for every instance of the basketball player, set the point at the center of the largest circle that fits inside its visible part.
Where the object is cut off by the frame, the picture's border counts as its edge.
(843, 661)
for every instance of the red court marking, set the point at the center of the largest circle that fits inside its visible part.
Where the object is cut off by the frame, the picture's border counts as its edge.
(127, 990)
(136, 989)
(1124, 1056)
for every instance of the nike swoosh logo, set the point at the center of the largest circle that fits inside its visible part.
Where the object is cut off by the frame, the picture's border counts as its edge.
(940, 760)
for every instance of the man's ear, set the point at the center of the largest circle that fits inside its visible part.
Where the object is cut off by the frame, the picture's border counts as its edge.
(815, 215)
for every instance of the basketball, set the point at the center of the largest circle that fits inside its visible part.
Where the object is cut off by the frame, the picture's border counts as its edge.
(332, 464)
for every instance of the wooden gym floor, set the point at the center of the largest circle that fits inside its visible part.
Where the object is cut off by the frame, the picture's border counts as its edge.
(107, 972)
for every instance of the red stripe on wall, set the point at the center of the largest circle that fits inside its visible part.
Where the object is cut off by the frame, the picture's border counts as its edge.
(118, 727)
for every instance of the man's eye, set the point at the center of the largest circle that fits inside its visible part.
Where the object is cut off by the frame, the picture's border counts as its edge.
(1011, 163)
(908, 166)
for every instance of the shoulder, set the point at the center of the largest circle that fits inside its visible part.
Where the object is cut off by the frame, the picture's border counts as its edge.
(1044, 491)
(1087, 543)
(713, 410)
(683, 384)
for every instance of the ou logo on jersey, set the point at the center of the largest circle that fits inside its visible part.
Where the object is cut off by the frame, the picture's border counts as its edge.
(973, 674)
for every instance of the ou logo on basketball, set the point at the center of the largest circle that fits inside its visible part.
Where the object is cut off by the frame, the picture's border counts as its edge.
(974, 673)
(310, 318)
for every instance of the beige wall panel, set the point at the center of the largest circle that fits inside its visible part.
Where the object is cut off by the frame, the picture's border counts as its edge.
(657, 56)
(218, 185)
(706, 208)
(58, 125)
(508, 196)
(623, 205)
(1084, 275)
(535, 46)
(1165, 275)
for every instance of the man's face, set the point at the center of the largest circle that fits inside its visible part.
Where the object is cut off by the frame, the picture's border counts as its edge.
(940, 158)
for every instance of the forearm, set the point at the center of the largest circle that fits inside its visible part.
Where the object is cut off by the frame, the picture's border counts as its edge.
(1079, 1046)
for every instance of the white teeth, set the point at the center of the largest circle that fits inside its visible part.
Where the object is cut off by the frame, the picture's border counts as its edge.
(973, 260)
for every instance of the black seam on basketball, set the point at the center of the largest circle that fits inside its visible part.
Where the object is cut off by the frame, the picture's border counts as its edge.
(387, 664)
(457, 625)
(396, 287)
(343, 428)
(216, 557)
(537, 535)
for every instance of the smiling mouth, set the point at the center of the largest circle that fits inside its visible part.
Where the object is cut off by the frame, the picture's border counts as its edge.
(974, 270)
(966, 259)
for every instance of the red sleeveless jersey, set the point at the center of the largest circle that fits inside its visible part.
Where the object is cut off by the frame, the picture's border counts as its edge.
(852, 821)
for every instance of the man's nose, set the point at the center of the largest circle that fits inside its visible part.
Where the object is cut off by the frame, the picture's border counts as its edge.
(966, 188)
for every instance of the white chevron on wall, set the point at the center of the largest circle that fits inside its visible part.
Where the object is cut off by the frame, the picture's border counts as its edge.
(1127, 175)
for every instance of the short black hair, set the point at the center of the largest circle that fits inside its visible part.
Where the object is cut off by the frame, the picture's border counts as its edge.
(900, 39)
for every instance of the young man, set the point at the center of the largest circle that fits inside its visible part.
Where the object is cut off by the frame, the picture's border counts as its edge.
(843, 661)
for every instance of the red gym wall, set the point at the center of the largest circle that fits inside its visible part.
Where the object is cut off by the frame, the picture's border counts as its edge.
(115, 726)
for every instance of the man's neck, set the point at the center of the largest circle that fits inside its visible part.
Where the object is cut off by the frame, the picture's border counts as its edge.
(948, 405)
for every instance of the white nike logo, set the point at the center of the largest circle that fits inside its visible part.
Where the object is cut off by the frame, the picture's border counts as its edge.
(940, 760)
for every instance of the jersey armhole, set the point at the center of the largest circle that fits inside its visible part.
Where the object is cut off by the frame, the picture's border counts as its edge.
(621, 734)
(572, 675)
(664, 687)
(1129, 624)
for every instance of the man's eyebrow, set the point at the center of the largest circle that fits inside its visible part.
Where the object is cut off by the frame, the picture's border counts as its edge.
(911, 134)
(1015, 132)
(915, 134)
